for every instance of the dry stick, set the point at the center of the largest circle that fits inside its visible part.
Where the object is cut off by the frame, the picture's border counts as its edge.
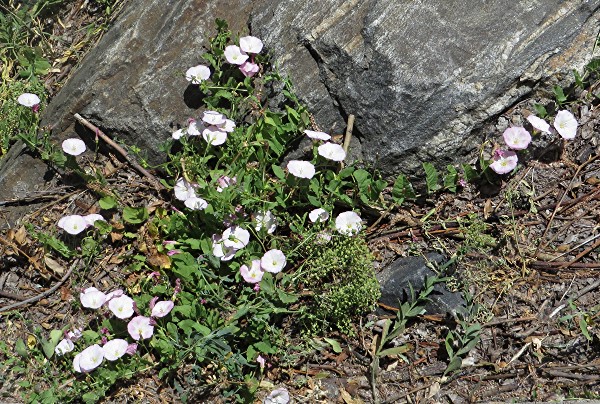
(558, 205)
(581, 255)
(582, 292)
(348, 136)
(43, 294)
(398, 397)
(121, 151)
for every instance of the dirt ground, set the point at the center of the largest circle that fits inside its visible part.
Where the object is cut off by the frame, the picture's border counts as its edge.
(527, 251)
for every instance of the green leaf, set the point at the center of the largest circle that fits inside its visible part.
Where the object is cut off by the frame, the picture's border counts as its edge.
(21, 348)
(286, 297)
(135, 215)
(540, 110)
(470, 173)
(397, 350)
(559, 94)
(454, 364)
(451, 179)
(431, 178)
(402, 190)
(278, 171)
(107, 202)
(334, 345)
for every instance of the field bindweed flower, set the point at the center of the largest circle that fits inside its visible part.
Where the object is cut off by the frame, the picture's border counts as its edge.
(273, 261)
(72, 224)
(73, 146)
(323, 238)
(184, 190)
(195, 203)
(114, 293)
(221, 251)
(92, 298)
(64, 346)
(177, 134)
(249, 69)
(504, 161)
(234, 55)
(162, 308)
(253, 274)
(227, 126)
(516, 137)
(121, 307)
(140, 327)
(332, 151)
(214, 136)
(538, 123)
(224, 182)
(90, 358)
(93, 218)
(28, 100)
(194, 128)
(318, 215)
(75, 334)
(565, 124)
(301, 169)
(261, 361)
(197, 74)
(278, 396)
(131, 349)
(265, 220)
(348, 223)
(213, 118)
(114, 349)
(236, 237)
(251, 44)
(317, 135)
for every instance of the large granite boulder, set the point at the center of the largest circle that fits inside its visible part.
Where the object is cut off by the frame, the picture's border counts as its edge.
(421, 77)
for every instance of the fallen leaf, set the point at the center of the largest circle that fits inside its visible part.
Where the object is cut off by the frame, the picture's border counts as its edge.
(54, 265)
(21, 236)
(31, 341)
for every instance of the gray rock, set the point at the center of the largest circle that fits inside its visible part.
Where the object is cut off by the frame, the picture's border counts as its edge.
(421, 77)
(396, 280)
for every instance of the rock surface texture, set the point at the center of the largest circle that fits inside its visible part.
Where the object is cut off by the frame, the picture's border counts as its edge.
(420, 77)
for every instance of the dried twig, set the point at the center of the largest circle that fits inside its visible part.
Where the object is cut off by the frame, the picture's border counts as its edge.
(43, 294)
(349, 128)
(120, 150)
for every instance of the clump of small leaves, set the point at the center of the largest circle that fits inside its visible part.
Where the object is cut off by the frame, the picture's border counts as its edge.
(342, 281)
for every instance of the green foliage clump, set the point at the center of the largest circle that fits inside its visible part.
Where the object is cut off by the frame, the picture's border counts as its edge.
(342, 279)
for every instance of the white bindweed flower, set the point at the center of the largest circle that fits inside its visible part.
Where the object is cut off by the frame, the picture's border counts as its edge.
(195, 128)
(236, 237)
(195, 203)
(91, 358)
(162, 308)
(213, 118)
(273, 261)
(115, 348)
(516, 137)
(92, 298)
(504, 161)
(253, 274)
(72, 224)
(220, 251)
(177, 134)
(140, 327)
(93, 218)
(301, 169)
(224, 182)
(278, 396)
(565, 124)
(318, 215)
(64, 346)
(539, 123)
(227, 126)
(317, 135)
(249, 69)
(234, 55)
(197, 74)
(348, 223)
(332, 151)
(251, 44)
(121, 307)
(265, 220)
(73, 146)
(184, 190)
(214, 136)
(28, 100)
